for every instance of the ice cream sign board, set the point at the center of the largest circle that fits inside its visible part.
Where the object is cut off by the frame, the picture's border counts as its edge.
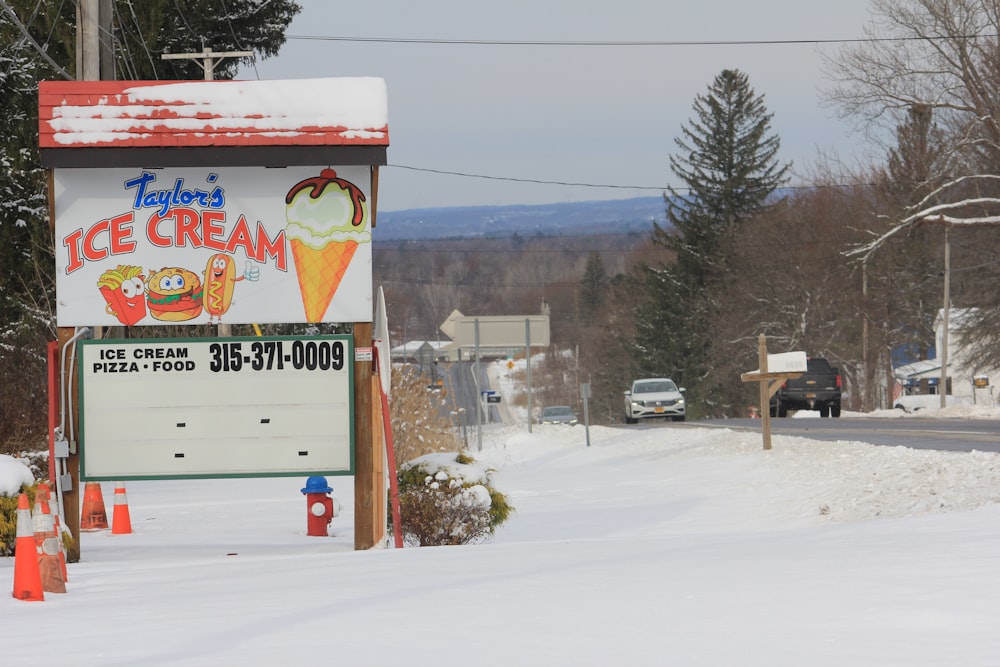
(237, 245)
(190, 407)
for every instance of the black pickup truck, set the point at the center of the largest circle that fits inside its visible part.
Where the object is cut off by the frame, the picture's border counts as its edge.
(816, 389)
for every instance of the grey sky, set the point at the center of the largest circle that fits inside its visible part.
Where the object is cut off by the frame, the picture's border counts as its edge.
(579, 114)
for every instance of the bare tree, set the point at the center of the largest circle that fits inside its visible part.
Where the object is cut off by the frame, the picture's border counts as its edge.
(937, 58)
(794, 287)
(942, 57)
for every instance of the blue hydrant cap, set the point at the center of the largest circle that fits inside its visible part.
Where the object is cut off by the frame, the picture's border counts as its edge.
(317, 484)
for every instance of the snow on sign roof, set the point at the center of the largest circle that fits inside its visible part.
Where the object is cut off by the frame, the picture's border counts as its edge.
(213, 114)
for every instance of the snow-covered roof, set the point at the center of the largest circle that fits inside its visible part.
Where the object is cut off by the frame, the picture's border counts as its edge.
(328, 112)
(918, 369)
(413, 346)
(80, 116)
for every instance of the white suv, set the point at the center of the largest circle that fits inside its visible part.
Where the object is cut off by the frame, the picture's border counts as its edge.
(654, 397)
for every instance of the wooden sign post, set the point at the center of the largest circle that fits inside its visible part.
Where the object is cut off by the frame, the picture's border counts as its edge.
(279, 177)
(787, 366)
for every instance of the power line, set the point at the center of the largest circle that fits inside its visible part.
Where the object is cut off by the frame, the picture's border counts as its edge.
(621, 43)
(27, 36)
(540, 181)
(180, 12)
(236, 39)
(141, 39)
(525, 180)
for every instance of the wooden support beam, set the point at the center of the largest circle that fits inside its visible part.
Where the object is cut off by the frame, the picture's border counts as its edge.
(366, 504)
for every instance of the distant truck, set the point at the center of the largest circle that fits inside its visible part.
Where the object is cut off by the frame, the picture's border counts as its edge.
(819, 388)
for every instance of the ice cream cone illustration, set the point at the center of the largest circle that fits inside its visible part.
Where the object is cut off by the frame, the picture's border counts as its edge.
(327, 218)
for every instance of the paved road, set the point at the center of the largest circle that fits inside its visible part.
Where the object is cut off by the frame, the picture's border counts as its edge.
(460, 382)
(959, 435)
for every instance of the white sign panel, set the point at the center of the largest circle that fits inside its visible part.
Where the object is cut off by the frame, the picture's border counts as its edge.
(221, 407)
(198, 245)
(502, 330)
(787, 362)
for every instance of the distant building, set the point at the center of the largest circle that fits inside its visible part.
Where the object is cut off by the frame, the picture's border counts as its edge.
(967, 378)
(422, 351)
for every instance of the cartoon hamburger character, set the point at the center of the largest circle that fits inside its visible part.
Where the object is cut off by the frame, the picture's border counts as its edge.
(174, 294)
(122, 288)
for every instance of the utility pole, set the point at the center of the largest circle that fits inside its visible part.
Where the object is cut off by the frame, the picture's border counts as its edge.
(105, 40)
(88, 65)
(943, 356)
(209, 58)
(867, 387)
(94, 62)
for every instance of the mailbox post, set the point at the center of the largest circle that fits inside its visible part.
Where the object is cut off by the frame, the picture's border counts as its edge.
(774, 370)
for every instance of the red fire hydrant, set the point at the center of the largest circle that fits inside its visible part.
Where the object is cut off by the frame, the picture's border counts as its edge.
(319, 505)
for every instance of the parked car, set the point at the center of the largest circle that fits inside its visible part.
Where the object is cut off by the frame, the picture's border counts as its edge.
(819, 388)
(654, 397)
(558, 414)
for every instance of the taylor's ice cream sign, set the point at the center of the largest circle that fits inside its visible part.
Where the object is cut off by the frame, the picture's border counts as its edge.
(235, 245)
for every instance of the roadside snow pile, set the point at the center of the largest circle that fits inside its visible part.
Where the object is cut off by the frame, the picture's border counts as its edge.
(850, 481)
(713, 472)
(930, 409)
(799, 482)
(963, 412)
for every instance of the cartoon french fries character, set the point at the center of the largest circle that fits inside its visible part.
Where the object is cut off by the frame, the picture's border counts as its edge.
(122, 288)
(220, 282)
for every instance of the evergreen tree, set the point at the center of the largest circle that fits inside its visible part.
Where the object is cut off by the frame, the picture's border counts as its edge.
(188, 26)
(25, 245)
(24, 231)
(37, 42)
(592, 287)
(727, 161)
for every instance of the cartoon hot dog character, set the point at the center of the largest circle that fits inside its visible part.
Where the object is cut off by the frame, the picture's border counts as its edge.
(220, 282)
(174, 294)
(122, 288)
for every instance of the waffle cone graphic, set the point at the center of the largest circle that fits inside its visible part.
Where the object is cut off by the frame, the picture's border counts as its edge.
(320, 272)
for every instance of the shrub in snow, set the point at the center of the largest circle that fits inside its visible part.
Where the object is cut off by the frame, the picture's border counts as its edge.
(419, 425)
(448, 499)
(15, 477)
(8, 525)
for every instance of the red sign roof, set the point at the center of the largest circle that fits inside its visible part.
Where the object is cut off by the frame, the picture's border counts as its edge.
(200, 114)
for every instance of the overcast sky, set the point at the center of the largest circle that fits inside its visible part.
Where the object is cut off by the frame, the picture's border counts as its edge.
(592, 114)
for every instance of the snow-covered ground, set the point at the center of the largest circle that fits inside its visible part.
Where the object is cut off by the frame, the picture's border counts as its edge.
(652, 546)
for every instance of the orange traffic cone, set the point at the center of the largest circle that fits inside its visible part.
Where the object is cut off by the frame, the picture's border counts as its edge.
(27, 577)
(59, 539)
(51, 560)
(121, 523)
(94, 516)
(47, 544)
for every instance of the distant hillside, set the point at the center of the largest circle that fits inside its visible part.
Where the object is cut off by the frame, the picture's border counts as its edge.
(577, 218)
